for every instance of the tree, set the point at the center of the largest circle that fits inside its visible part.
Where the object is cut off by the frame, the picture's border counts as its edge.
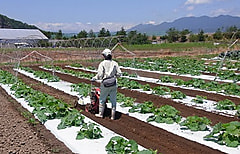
(137, 38)
(142, 39)
(154, 37)
(121, 32)
(183, 35)
(82, 34)
(74, 37)
(201, 36)
(218, 34)
(132, 35)
(230, 32)
(91, 33)
(104, 33)
(107, 33)
(164, 38)
(59, 35)
(237, 35)
(193, 38)
(173, 35)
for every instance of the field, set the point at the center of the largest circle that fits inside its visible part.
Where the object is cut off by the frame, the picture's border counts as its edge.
(158, 97)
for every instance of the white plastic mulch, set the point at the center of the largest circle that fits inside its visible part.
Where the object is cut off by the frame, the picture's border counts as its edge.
(206, 77)
(68, 135)
(208, 105)
(173, 128)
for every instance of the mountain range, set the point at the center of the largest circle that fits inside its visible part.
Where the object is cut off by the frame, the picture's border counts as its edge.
(194, 24)
(6, 22)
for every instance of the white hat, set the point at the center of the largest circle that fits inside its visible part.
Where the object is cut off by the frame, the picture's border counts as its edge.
(106, 52)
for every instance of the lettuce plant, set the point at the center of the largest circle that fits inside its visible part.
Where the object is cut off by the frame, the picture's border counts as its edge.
(196, 123)
(89, 131)
(119, 145)
(226, 105)
(165, 114)
(225, 134)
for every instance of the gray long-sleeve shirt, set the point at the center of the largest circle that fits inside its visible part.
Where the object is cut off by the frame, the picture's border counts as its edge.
(108, 68)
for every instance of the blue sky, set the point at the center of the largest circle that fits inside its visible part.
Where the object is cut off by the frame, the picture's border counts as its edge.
(77, 15)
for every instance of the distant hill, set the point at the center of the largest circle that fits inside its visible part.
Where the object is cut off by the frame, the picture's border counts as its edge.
(6, 22)
(194, 24)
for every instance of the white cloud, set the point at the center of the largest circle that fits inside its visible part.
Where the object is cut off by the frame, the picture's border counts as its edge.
(190, 15)
(151, 22)
(189, 8)
(78, 26)
(219, 12)
(196, 2)
(114, 26)
(78, 23)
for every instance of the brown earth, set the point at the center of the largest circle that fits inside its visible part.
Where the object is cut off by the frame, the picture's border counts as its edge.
(210, 96)
(186, 111)
(44, 56)
(19, 135)
(26, 137)
(144, 134)
(158, 101)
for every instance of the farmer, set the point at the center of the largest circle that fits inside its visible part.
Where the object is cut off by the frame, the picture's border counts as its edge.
(108, 70)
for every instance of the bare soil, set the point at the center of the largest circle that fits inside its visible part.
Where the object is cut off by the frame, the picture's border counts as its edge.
(72, 55)
(144, 134)
(20, 136)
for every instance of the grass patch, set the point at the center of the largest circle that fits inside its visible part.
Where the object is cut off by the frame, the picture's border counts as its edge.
(173, 46)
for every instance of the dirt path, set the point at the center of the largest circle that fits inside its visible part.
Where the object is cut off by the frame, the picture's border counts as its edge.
(20, 136)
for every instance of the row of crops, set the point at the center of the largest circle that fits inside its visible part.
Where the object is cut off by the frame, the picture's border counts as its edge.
(223, 134)
(228, 88)
(184, 66)
(225, 88)
(47, 108)
(168, 114)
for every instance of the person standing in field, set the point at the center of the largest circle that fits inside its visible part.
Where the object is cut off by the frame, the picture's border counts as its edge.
(108, 71)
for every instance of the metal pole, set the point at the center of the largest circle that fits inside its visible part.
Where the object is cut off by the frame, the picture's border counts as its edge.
(221, 63)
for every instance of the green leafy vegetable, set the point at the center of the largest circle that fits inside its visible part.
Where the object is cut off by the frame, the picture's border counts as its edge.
(225, 134)
(166, 79)
(226, 105)
(73, 118)
(82, 88)
(146, 107)
(196, 123)
(160, 90)
(119, 145)
(89, 131)
(199, 99)
(126, 101)
(177, 95)
(165, 114)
